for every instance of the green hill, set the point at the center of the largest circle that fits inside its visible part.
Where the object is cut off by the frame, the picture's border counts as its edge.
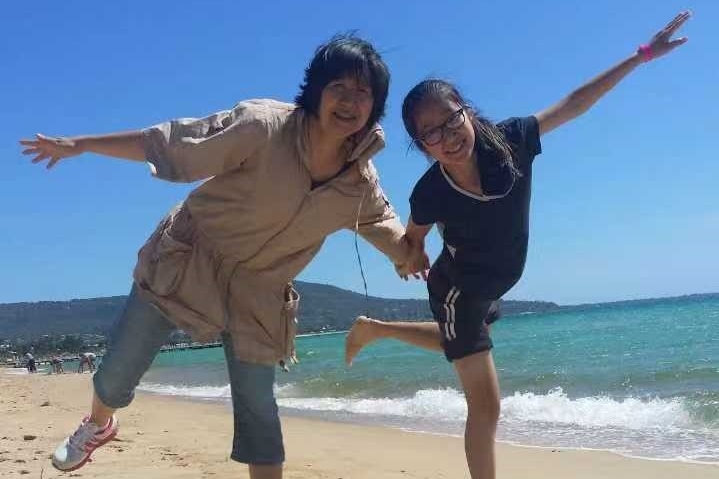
(322, 307)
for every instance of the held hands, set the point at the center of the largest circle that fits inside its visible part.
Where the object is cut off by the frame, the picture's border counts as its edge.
(416, 265)
(54, 148)
(661, 43)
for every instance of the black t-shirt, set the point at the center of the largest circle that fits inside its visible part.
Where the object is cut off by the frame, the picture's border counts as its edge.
(486, 236)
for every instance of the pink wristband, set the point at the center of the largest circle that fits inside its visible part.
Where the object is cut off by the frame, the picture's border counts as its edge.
(647, 53)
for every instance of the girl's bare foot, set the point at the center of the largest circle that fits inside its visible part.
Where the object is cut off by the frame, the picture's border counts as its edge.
(363, 332)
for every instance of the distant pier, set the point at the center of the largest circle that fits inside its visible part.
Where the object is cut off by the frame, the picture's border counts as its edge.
(169, 348)
(185, 346)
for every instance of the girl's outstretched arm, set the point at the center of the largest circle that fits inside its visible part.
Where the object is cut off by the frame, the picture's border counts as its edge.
(580, 100)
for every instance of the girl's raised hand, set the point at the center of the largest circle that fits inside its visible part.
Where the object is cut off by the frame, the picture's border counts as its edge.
(662, 42)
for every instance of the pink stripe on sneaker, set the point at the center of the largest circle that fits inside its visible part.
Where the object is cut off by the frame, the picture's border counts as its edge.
(107, 426)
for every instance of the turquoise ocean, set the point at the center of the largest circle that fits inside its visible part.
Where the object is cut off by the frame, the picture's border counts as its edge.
(640, 379)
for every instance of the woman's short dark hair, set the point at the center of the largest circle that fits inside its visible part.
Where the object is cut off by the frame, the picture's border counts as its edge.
(345, 55)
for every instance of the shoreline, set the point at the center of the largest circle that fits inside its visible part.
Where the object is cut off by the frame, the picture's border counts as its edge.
(378, 421)
(175, 437)
(389, 413)
(503, 443)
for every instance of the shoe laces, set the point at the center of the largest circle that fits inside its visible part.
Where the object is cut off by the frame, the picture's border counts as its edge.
(83, 434)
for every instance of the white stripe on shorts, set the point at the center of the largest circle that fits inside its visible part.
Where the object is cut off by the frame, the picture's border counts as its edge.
(450, 312)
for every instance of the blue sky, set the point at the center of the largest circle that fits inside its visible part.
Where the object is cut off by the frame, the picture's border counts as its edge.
(625, 203)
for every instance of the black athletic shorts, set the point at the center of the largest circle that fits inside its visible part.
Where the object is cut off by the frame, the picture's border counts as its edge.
(463, 319)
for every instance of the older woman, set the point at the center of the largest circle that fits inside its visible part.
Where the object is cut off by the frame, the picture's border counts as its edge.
(279, 179)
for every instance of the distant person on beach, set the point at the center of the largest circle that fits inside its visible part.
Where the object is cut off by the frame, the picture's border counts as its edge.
(87, 359)
(31, 364)
(477, 192)
(57, 366)
(280, 178)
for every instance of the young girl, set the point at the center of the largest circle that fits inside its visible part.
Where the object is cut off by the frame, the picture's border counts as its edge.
(280, 179)
(478, 192)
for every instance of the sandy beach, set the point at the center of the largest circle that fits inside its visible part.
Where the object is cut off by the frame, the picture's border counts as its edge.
(164, 437)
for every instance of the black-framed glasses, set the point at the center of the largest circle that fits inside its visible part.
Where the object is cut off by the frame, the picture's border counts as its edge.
(436, 134)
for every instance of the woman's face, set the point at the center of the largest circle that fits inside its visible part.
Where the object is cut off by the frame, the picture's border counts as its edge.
(445, 131)
(345, 106)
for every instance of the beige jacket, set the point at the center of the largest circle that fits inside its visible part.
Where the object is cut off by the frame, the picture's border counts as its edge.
(224, 259)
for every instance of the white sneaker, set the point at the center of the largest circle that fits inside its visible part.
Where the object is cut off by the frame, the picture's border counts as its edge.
(75, 450)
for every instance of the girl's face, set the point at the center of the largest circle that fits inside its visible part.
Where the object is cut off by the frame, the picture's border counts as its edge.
(345, 106)
(445, 130)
